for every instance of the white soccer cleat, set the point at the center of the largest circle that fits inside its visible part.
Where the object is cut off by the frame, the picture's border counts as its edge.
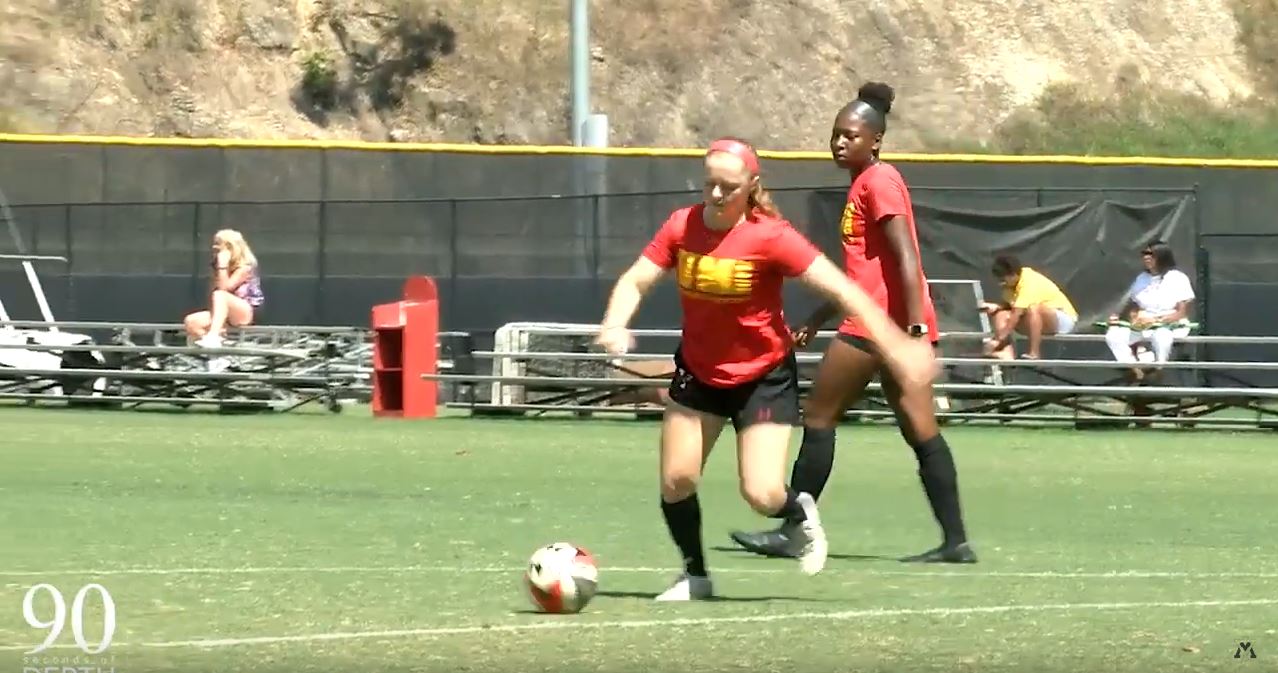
(815, 547)
(688, 588)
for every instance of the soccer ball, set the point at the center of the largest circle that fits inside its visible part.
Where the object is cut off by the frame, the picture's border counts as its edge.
(561, 578)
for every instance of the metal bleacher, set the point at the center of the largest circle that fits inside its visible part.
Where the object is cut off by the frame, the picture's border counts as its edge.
(262, 368)
(104, 364)
(550, 367)
(543, 368)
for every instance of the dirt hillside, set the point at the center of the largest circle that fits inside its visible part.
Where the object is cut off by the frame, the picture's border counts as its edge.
(667, 72)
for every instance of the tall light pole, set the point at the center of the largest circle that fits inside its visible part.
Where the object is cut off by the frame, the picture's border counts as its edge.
(590, 176)
(580, 70)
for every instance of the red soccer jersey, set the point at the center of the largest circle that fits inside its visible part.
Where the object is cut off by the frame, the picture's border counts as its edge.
(876, 195)
(734, 330)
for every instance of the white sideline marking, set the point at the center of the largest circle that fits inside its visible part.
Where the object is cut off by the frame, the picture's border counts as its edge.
(257, 570)
(655, 623)
(1115, 574)
(1110, 574)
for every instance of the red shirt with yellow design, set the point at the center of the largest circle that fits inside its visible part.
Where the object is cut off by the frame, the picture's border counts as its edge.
(877, 195)
(734, 330)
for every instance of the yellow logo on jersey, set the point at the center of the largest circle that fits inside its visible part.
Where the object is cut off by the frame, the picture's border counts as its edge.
(715, 278)
(848, 224)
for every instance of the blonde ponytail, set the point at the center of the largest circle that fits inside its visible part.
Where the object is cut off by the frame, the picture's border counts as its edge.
(761, 200)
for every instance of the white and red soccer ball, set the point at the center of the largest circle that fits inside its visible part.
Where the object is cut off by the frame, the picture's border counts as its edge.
(561, 578)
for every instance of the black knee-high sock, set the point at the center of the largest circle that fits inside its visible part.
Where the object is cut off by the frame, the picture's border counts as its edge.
(815, 462)
(790, 509)
(683, 518)
(940, 482)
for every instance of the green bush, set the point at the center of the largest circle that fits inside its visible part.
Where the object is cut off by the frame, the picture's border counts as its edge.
(319, 80)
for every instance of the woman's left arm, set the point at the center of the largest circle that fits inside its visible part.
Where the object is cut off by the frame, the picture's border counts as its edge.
(1184, 294)
(897, 229)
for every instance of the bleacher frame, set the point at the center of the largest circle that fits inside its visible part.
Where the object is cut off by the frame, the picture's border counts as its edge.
(1056, 397)
(285, 367)
(129, 365)
(267, 368)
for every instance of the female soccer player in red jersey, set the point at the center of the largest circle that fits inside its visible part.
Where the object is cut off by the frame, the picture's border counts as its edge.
(735, 360)
(881, 253)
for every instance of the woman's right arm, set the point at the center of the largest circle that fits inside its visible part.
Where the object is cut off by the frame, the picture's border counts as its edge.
(229, 281)
(1127, 308)
(614, 333)
(661, 254)
(629, 291)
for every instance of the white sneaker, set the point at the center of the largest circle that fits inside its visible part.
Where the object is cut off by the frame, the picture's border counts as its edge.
(688, 588)
(815, 547)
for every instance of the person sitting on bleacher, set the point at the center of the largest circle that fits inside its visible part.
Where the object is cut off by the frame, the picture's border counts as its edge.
(1156, 308)
(1032, 305)
(237, 290)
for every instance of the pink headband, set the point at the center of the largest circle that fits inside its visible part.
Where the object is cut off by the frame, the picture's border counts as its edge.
(737, 149)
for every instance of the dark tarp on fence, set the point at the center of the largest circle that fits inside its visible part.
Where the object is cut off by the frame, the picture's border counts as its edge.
(1090, 247)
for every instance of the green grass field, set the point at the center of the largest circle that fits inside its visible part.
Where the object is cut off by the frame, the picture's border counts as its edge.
(342, 543)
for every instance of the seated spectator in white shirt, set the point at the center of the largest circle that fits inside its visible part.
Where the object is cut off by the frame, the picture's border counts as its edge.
(1156, 306)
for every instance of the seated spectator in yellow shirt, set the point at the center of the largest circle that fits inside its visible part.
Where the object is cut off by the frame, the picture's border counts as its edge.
(1032, 305)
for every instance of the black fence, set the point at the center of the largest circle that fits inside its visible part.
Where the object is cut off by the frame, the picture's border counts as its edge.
(542, 236)
(328, 262)
(546, 258)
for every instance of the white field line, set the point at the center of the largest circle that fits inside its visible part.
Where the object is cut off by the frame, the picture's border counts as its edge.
(1116, 574)
(574, 624)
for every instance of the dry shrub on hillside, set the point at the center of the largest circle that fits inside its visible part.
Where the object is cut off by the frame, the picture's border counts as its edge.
(1258, 35)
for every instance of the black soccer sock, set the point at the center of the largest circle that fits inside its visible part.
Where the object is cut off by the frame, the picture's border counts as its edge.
(683, 518)
(790, 509)
(815, 462)
(940, 482)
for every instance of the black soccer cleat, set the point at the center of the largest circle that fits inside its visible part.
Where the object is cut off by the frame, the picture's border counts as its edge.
(776, 543)
(959, 553)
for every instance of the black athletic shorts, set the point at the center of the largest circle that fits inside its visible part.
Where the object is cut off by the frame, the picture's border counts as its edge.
(771, 398)
(858, 342)
(863, 344)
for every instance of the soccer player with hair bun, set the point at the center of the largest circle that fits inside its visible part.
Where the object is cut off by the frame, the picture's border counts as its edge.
(881, 254)
(735, 362)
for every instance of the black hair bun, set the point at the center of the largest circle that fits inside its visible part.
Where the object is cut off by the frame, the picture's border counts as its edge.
(878, 95)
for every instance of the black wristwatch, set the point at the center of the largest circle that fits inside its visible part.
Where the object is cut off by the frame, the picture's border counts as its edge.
(917, 330)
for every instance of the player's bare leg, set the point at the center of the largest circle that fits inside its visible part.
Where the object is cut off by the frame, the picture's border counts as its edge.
(842, 377)
(687, 437)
